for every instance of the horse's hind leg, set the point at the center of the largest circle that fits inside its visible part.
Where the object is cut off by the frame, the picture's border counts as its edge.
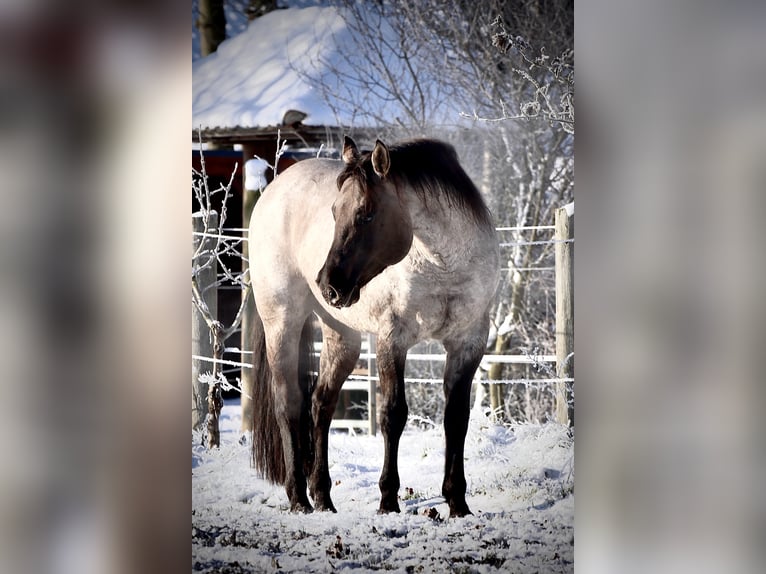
(290, 403)
(463, 358)
(340, 351)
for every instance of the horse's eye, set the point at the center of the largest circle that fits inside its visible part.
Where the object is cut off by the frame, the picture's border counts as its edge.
(364, 218)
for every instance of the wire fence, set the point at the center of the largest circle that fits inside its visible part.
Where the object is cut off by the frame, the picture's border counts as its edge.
(488, 358)
(544, 364)
(436, 358)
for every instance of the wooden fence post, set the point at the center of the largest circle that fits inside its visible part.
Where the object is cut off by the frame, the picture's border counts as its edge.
(255, 181)
(372, 371)
(202, 344)
(565, 312)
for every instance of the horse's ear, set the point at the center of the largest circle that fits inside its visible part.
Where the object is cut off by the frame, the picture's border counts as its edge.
(381, 161)
(350, 151)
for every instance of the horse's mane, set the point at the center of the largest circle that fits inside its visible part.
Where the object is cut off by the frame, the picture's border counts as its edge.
(431, 169)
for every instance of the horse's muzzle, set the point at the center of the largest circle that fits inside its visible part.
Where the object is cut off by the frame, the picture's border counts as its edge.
(335, 296)
(337, 300)
(332, 296)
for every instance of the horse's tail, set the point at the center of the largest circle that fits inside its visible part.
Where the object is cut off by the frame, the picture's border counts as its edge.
(268, 456)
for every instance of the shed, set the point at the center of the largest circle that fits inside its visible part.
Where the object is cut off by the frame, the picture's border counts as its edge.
(254, 93)
(258, 85)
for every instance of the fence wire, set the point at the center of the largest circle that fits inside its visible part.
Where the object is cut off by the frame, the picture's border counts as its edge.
(227, 236)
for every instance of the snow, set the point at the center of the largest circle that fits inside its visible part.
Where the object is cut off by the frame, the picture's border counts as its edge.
(236, 22)
(252, 79)
(277, 62)
(520, 488)
(255, 174)
(236, 18)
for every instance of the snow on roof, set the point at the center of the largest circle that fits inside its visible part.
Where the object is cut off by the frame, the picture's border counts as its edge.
(252, 80)
(235, 12)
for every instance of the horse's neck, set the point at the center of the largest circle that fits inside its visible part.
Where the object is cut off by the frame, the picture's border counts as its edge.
(443, 237)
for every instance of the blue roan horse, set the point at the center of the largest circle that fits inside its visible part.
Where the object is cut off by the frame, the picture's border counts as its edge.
(396, 242)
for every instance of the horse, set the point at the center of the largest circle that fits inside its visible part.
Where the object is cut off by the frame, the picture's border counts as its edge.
(397, 242)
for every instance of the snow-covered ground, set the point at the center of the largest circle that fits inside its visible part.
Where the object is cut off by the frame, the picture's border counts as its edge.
(520, 488)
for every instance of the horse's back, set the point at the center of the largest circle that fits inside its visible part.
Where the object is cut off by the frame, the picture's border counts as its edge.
(301, 187)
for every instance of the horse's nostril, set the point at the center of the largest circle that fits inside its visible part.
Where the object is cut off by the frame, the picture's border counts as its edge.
(331, 294)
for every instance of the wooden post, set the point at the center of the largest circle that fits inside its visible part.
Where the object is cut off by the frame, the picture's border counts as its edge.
(202, 344)
(372, 371)
(565, 312)
(250, 195)
(497, 390)
(248, 318)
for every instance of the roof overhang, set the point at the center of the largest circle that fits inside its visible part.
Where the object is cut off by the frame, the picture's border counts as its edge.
(294, 135)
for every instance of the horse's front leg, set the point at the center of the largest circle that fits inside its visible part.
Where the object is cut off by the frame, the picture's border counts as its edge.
(393, 417)
(463, 358)
(340, 352)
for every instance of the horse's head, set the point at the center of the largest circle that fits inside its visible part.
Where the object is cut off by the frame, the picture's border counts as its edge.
(372, 227)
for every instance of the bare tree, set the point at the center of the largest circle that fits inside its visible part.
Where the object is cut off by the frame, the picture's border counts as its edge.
(378, 74)
(496, 79)
(210, 253)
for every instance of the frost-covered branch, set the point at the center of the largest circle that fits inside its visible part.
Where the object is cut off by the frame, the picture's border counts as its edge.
(210, 254)
(551, 80)
(509, 65)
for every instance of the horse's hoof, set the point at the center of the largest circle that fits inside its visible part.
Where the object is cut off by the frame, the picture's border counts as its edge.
(459, 510)
(301, 508)
(385, 509)
(322, 502)
(325, 508)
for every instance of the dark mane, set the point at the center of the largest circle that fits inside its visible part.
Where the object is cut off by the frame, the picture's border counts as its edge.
(432, 169)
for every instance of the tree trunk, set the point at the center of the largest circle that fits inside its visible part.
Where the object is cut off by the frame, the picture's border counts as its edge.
(202, 345)
(212, 25)
(214, 396)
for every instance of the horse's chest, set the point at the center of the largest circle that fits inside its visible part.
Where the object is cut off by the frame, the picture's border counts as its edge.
(439, 316)
(418, 306)
(442, 313)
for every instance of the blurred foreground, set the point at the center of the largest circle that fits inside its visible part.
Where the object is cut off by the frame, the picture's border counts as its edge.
(94, 294)
(670, 270)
